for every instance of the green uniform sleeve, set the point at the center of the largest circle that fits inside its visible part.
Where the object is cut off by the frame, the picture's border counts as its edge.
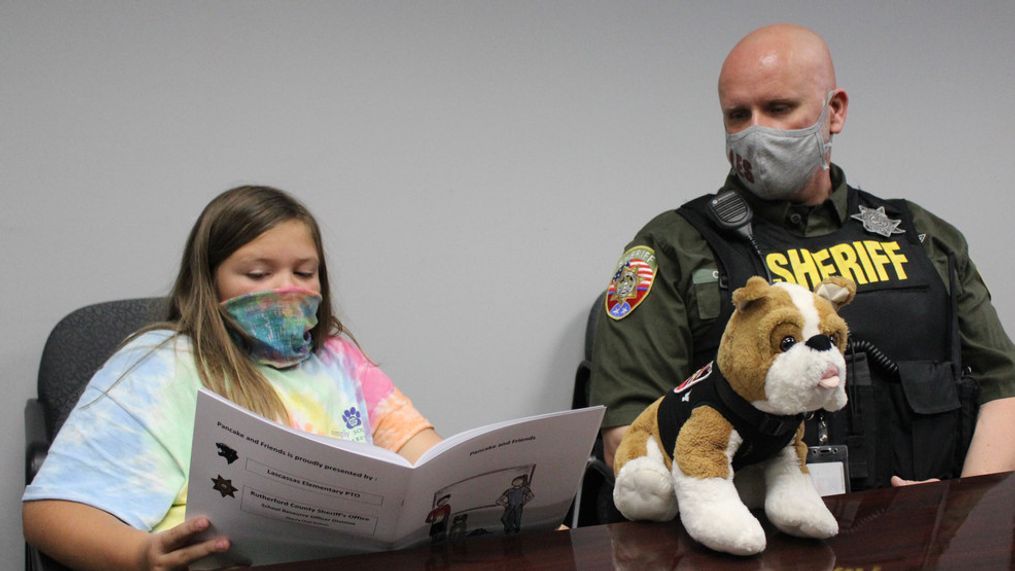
(986, 348)
(636, 358)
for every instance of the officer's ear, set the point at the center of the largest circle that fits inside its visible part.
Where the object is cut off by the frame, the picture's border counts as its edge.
(838, 105)
(837, 290)
(754, 290)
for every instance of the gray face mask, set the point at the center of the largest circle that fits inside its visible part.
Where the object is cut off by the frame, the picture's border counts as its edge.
(775, 164)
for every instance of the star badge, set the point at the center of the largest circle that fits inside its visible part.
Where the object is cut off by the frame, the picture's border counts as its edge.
(226, 452)
(876, 221)
(224, 486)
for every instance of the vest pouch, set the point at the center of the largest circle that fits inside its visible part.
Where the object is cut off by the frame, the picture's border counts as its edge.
(969, 408)
(863, 424)
(934, 408)
(707, 295)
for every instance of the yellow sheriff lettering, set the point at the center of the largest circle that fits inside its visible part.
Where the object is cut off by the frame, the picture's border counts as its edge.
(845, 258)
(865, 262)
(877, 257)
(825, 270)
(898, 259)
(778, 264)
(804, 270)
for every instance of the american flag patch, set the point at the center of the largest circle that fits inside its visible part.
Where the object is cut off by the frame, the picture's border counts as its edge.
(632, 281)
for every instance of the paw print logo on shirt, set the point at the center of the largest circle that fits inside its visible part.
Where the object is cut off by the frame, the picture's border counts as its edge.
(352, 418)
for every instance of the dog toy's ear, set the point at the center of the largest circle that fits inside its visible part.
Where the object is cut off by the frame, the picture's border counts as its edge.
(836, 289)
(755, 289)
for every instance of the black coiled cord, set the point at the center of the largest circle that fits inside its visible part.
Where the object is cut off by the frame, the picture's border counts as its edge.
(876, 356)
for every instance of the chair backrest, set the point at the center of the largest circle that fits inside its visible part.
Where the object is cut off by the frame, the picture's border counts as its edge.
(594, 500)
(80, 343)
(580, 396)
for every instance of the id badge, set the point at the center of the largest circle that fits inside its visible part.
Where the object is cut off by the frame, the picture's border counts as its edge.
(829, 468)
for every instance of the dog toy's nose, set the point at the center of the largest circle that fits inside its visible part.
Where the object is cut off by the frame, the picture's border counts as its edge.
(819, 343)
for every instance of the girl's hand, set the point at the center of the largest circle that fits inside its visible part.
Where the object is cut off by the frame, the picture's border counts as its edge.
(174, 548)
(83, 537)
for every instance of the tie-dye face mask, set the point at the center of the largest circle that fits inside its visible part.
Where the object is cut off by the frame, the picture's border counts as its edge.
(278, 323)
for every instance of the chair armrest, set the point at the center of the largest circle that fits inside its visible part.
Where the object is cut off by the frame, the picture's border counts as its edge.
(36, 560)
(594, 500)
(36, 440)
(605, 472)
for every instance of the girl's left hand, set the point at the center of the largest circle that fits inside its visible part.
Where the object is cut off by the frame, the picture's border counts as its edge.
(174, 548)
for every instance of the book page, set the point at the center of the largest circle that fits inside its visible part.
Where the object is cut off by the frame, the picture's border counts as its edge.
(284, 495)
(500, 479)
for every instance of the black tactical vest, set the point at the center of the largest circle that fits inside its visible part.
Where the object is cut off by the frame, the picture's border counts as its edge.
(910, 413)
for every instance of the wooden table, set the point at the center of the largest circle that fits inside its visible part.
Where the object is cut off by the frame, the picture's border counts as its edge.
(957, 524)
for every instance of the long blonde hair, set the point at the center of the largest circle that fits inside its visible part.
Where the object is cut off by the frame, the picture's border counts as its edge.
(231, 220)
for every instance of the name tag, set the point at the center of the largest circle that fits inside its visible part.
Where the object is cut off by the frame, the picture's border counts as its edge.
(829, 469)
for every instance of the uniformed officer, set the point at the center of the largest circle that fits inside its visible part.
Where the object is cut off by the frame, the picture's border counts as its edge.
(929, 360)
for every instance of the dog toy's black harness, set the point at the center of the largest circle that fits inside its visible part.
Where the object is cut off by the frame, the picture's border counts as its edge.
(763, 434)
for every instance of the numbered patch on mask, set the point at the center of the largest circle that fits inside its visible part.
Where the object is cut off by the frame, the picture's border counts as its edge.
(632, 281)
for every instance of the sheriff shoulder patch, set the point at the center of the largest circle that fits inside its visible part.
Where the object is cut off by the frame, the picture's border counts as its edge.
(632, 281)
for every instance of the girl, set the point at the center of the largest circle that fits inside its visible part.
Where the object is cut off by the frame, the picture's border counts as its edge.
(250, 318)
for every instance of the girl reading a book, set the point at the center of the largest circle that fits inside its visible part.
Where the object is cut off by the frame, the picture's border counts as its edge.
(250, 317)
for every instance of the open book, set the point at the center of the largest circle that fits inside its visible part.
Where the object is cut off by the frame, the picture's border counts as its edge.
(284, 495)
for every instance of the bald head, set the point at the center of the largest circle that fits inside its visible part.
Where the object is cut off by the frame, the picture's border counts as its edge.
(781, 77)
(779, 53)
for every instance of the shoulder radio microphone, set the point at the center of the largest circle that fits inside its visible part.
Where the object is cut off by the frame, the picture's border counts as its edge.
(731, 213)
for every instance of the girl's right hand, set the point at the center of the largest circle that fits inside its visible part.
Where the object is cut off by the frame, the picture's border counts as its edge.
(174, 548)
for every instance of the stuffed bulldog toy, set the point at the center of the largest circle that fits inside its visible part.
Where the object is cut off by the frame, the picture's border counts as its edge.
(780, 357)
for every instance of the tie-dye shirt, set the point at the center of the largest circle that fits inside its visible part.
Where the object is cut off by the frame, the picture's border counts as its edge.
(125, 448)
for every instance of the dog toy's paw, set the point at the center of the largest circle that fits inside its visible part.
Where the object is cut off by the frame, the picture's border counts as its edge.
(817, 523)
(713, 515)
(644, 491)
(736, 533)
(803, 518)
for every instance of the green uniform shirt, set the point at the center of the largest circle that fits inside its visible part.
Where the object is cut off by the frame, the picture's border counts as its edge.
(649, 351)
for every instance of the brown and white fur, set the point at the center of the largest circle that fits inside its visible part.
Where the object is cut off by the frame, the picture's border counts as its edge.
(775, 379)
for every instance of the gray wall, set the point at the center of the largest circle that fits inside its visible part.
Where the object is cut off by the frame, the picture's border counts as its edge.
(477, 166)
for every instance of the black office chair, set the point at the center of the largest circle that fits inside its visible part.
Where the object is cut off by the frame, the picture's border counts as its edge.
(594, 503)
(78, 345)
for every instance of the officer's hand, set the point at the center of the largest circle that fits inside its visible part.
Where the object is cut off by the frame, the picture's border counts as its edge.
(611, 440)
(899, 482)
